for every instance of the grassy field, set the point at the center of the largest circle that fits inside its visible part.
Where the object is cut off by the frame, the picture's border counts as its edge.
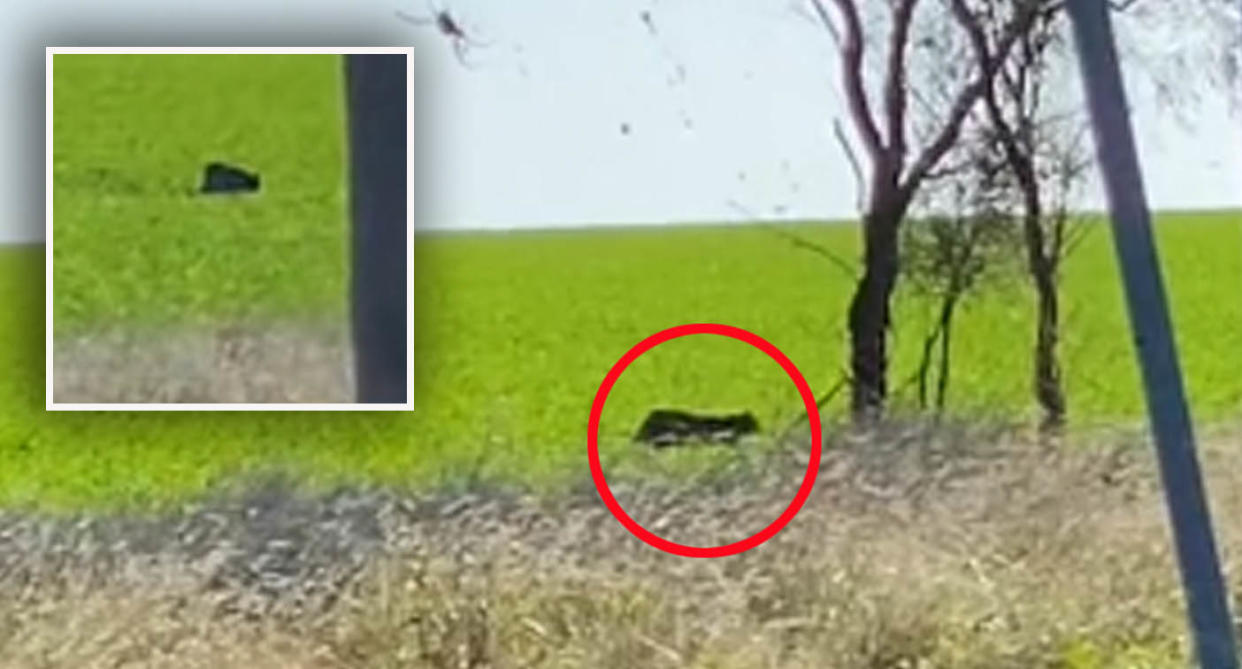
(514, 332)
(131, 137)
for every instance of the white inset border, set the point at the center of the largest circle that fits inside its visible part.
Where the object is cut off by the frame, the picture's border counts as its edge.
(408, 405)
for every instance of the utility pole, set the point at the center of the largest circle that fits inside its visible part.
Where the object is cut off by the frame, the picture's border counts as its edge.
(1153, 336)
(376, 107)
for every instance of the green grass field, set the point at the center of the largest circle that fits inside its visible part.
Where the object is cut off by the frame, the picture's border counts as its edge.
(131, 136)
(513, 332)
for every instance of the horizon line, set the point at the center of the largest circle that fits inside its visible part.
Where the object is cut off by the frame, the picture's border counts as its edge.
(686, 223)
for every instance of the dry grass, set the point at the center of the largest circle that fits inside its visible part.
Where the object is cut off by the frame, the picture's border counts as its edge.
(232, 364)
(914, 552)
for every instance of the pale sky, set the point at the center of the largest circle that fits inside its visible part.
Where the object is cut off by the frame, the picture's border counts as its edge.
(530, 134)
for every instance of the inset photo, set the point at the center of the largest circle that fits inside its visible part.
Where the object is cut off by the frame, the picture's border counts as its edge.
(229, 229)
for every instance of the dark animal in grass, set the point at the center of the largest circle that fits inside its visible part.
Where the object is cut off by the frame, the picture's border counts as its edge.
(668, 427)
(223, 178)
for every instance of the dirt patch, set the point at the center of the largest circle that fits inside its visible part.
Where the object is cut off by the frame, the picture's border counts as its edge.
(234, 364)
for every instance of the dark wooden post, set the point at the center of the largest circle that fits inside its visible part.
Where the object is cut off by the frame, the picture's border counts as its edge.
(376, 90)
(1153, 335)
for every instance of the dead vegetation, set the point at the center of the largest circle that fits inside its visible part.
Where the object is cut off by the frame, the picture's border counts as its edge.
(230, 364)
(951, 548)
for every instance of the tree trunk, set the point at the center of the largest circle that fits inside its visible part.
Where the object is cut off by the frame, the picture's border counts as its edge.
(870, 313)
(1048, 391)
(1042, 265)
(929, 347)
(946, 342)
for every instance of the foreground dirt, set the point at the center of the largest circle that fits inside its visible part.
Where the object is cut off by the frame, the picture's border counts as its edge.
(290, 363)
(918, 548)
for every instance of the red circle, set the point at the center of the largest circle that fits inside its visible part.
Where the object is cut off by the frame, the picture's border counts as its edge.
(597, 472)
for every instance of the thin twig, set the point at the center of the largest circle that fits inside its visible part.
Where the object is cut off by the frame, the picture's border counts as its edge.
(797, 241)
(860, 194)
(827, 21)
(842, 382)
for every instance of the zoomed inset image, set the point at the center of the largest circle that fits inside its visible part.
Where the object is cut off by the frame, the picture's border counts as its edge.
(205, 216)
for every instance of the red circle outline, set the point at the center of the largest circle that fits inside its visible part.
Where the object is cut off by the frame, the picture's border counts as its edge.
(597, 409)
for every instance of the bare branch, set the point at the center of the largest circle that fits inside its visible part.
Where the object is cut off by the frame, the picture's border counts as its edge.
(852, 76)
(967, 97)
(849, 269)
(860, 181)
(827, 21)
(950, 170)
(1073, 238)
(895, 81)
(1005, 132)
(798, 241)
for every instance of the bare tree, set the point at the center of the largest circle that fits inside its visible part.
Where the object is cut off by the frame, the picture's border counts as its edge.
(895, 169)
(1046, 157)
(960, 238)
(1045, 148)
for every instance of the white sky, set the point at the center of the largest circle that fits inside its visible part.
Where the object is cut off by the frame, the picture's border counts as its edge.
(530, 135)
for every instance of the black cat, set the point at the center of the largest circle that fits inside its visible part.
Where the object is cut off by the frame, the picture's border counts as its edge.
(222, 178)
(666, 427)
